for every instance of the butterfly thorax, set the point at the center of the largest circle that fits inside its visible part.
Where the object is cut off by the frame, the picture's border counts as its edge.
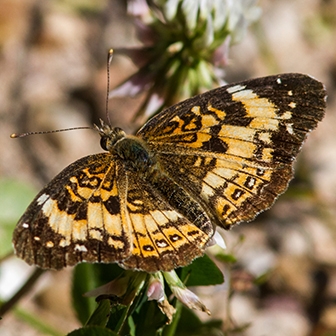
(135, 155)
(132, 150)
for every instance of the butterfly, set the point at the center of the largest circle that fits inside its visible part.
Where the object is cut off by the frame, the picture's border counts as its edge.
(152, 201)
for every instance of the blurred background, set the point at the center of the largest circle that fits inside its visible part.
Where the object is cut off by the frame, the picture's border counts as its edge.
(53, 75)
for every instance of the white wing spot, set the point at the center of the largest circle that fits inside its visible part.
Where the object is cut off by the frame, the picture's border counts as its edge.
(290, 93)
(260, 171)
(148, 248)
(96, 234)
(251, 182)
(175, 237)
(287, 115)
(171, 215)
(64, 242)
(237, 193)
(292, 105)
(236, 88)
(289, 128)
(50, 244)
(42, 199)
(161, 243)
(196, 109)
(80, 248)
(117, 244)
(37, 238)
(207, 191)
(25, 225)
(265, 137)
(279, 80)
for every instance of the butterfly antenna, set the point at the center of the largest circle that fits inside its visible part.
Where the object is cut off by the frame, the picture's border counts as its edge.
(109, 60)
(22, 135)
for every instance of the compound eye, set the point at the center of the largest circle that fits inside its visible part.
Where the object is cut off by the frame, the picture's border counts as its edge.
(103, 142)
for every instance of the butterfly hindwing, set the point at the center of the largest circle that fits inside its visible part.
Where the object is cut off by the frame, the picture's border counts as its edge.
(164, 236)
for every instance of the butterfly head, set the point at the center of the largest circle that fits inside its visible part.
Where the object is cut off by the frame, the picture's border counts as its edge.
(109, 135)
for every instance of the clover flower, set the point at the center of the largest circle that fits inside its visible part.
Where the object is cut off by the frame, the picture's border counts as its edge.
(182, 293)
(185, 45)
(128, 285)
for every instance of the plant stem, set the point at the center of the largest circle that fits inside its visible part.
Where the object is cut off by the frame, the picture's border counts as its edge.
(21, 292)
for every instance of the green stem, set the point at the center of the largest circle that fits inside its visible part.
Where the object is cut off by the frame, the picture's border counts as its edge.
(37, 323)
(170, 330)
(21, 292)
(135, 288)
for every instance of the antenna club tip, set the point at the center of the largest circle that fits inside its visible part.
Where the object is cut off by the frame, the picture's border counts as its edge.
(14, 135)
(110, 56)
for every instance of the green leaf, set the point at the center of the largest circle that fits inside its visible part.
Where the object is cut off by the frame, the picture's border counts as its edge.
(85, 278)
(202, 272)
(190, 324)
(148, 320)
(92, 331)
(101, 314)
(226, 258)
(118, 317)
(105, 273)
(121, 318)
(82, 282)
(14, 199)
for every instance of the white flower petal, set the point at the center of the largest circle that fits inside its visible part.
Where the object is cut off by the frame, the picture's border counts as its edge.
(154, 104)
(219, 240)
(190, 299)
(155, 291)
(137, 8)
(190, 10)
(209, 32)
(132, 86)
(116, 287)
(170, 9)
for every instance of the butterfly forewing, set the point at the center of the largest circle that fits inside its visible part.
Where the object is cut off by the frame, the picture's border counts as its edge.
(235, 145)
(75, 218)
